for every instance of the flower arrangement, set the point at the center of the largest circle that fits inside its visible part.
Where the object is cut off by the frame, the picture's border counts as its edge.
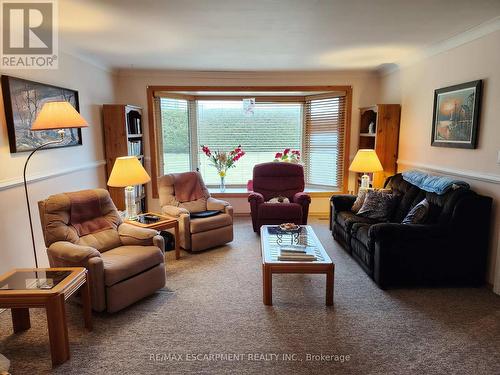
(288, 156)
(222, 161)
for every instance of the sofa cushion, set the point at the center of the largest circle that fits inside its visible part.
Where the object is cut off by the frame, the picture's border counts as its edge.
(286, 211)
(209, 223)
(102, 241)
(127, 261)
(359, 231)
(346, 219)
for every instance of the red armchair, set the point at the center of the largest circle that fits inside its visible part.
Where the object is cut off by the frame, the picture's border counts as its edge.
(275, 179)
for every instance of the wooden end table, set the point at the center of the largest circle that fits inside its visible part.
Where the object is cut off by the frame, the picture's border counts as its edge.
(25, 288)
(270, 245)
(165, 222)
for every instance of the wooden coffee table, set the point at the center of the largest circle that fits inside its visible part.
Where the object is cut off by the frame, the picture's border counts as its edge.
(270, 245)
(25, 288)
(165, 222)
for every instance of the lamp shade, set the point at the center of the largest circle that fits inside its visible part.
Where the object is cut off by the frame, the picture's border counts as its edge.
(366, 161)
(58, 115)
(128, 171)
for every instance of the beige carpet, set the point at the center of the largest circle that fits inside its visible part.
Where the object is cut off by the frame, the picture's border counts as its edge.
(212, 305)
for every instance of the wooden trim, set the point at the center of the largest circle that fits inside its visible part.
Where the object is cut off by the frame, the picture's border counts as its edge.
(347, 139)
(258, 98)
(153, 147)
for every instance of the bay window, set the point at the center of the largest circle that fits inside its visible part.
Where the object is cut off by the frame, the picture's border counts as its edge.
(313, 124)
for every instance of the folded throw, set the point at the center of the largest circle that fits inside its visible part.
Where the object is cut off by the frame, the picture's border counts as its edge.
(187, 187)
(433, 184)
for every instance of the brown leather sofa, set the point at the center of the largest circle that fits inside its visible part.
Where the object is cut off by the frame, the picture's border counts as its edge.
(83, 229)
(196, 234)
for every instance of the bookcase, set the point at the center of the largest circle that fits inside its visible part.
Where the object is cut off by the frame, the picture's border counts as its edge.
(383, 137)
(123, 137)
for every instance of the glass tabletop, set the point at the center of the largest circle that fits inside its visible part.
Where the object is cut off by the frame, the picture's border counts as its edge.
(33, 280)
(275, 240)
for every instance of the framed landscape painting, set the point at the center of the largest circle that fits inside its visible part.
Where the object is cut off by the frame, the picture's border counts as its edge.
(456, 115)
(23, 100)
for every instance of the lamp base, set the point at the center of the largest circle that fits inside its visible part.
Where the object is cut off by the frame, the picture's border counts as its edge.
(365, 181)
(130, 207)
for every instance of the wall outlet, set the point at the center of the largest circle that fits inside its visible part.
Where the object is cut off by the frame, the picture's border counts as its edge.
(498, 157)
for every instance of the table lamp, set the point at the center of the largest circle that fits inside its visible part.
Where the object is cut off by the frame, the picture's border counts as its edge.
(128, 171)
(53, 116)
(366, 161)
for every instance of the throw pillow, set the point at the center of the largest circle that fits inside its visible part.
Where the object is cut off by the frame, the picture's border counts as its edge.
(279, 199)
(378, 205)
(417, 214)
(359, 200)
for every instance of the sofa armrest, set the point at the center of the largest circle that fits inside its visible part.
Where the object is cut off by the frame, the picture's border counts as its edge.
(134, 235)
(301, 198)
(68, 252)
(174, 211)
(216, 204)
(256, 198)
(342, 202)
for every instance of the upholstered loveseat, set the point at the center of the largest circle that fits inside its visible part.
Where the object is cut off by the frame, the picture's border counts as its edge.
(449, 248)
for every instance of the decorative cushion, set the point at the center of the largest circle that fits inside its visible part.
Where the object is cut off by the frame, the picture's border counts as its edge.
(279, 199)
(417, 214)
(359, 200)
(378, 205)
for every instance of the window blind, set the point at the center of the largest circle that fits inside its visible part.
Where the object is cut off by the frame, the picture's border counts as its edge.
(175, 135)
(223, 125)
(324, 138)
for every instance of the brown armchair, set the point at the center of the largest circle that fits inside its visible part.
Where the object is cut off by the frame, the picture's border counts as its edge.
(196, 234)
(83, 229)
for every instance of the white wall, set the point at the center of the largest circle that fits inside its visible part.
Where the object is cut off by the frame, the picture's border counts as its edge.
(131, 89)
(413, 86)
(82, 166)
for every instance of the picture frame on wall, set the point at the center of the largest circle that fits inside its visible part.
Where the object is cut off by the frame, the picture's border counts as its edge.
(23, 99)
(455, 119)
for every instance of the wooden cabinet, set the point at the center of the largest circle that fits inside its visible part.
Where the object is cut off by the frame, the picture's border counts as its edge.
(123, 137)
(379, 130)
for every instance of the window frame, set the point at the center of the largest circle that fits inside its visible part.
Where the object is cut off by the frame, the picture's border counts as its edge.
(153, 131)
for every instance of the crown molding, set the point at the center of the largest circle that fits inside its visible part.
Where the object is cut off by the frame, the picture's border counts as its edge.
(464, 173)
(9, 183)
(467, 36)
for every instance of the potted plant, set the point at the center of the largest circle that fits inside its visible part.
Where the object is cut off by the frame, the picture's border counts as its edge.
(222, 161)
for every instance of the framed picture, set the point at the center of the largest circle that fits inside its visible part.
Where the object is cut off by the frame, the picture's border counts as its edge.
(455, 119)
(23, 100)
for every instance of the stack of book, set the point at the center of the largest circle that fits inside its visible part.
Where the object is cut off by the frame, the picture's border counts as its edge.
(297, 253)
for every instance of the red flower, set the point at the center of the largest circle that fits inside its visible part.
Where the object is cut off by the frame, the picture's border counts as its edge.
(296, 152)
(286, 151)
(206, 150)
(278, 155)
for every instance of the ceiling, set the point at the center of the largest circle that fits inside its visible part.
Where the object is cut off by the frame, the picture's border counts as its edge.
(262, 35)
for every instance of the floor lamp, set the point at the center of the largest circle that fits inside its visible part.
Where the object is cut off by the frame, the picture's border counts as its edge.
(53, 116)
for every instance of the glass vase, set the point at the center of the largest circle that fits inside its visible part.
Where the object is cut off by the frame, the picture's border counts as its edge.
(222, 185)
